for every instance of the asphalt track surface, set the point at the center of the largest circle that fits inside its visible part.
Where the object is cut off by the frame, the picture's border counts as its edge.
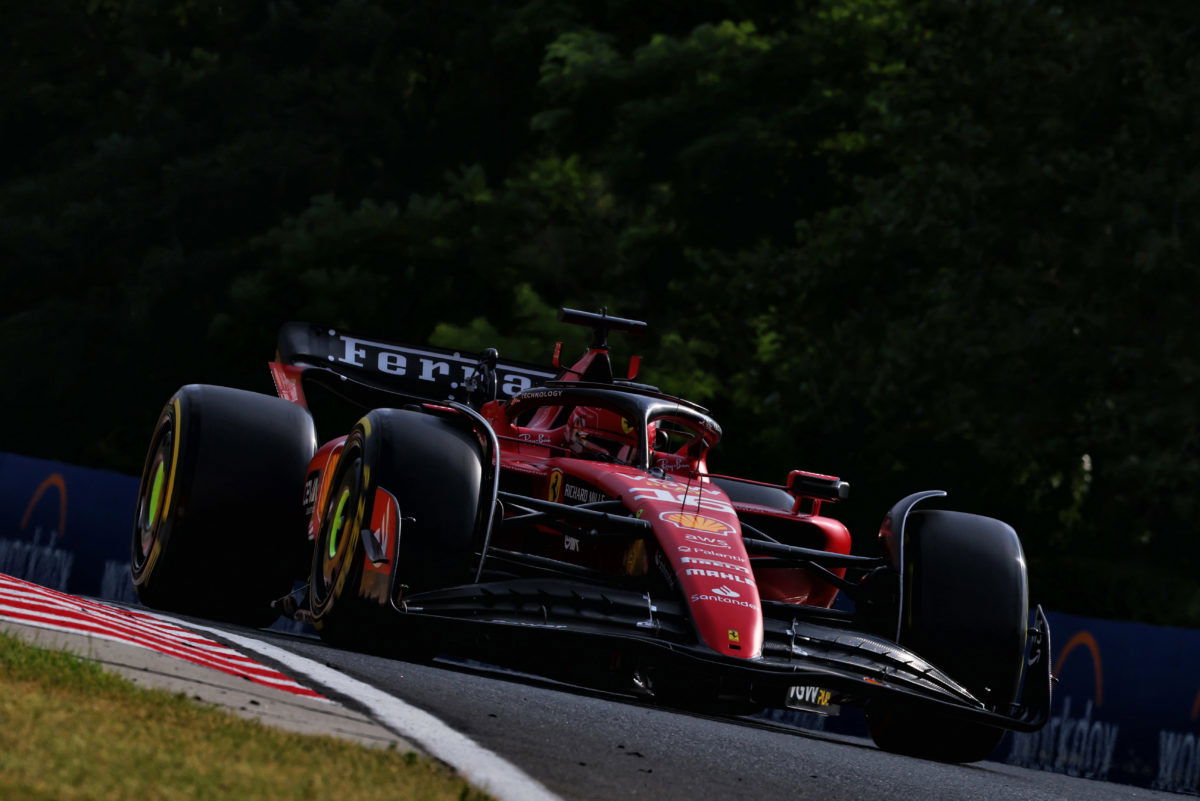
(588, 746)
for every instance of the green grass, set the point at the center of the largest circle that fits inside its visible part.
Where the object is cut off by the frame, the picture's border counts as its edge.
(70, 730)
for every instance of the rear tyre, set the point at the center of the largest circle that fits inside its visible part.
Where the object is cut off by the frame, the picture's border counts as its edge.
(219, 527)
(432, 472)
(966, 609)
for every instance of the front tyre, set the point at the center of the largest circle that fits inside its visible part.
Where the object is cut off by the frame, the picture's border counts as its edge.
(966, 610)
(219, 526)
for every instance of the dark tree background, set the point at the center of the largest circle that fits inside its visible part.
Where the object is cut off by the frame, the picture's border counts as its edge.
(933, 243)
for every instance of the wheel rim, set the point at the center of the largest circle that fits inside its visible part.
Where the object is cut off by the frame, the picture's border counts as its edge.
(152, 505)
(156, 489)
(336, 532)
(338, 521)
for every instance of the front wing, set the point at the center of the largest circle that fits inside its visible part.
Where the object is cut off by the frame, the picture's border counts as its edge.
(857, 666)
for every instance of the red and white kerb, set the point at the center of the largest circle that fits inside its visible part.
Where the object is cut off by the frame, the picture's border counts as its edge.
(33, 605)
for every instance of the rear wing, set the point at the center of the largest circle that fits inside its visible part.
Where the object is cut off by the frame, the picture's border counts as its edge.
(313, 354)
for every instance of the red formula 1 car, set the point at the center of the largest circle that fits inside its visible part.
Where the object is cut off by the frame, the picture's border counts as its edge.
(565, 522)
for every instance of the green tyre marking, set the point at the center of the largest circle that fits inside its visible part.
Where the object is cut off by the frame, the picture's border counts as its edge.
(156, 493)
(336, 528)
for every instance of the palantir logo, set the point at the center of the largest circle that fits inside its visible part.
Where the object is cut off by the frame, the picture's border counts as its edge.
(728, 593)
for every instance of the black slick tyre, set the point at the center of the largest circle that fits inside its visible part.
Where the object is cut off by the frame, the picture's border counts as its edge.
(219, 525)
(965, 610)
(433, 472)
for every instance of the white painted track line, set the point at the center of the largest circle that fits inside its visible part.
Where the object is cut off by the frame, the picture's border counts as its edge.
(483, 768)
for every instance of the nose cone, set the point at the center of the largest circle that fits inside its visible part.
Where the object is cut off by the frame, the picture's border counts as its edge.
(727, 616)
(703, 545)
(699, 533)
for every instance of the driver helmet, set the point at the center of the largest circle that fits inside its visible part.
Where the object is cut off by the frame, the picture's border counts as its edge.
(600, 433)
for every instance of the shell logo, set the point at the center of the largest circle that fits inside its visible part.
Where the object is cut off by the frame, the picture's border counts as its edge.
(695, 522)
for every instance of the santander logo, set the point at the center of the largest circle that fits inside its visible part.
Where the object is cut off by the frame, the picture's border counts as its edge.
(728, 593)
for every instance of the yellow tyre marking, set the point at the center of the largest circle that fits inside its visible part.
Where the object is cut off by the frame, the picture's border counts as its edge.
(174, 456)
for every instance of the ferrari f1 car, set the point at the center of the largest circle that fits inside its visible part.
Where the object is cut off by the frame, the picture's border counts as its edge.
(564, 521)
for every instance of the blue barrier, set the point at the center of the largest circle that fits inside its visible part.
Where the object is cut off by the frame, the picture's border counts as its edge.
(66, 527)
(1126, 707)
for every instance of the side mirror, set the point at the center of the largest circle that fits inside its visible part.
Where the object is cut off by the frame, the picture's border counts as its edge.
(816, 488)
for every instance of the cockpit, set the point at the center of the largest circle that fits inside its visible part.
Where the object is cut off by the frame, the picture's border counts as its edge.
(610, 425)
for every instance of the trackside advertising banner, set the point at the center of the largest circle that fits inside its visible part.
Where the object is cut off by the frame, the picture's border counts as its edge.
(66, 527)
(1126, 707)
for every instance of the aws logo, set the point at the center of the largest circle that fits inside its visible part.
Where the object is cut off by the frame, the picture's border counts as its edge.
(54, 481)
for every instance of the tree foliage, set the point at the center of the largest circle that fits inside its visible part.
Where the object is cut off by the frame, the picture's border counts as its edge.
(916, 243)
